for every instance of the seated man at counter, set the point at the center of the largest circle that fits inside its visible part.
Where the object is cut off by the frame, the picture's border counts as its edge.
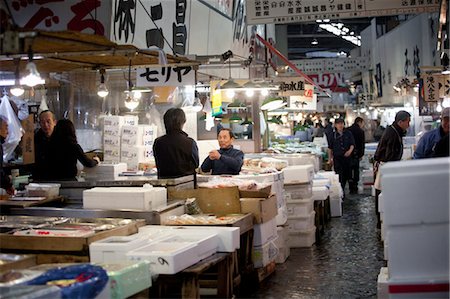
(226, 160)
(175, 153)
(41, 170)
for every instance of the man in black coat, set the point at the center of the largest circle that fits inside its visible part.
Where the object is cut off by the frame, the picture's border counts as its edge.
(358, 153)
(41, 168)
(390, 148)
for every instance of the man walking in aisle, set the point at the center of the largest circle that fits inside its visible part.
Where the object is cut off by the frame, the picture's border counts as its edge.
(340, 147)
(358, 153)
(429, 140)
(390, 148)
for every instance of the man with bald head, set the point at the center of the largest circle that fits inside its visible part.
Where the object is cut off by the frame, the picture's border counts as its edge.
(47, 122)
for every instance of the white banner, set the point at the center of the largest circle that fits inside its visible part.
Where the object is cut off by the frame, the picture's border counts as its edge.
(294, 11)
(87, 16)
(132, 24)
(331, 65)
(165, 76)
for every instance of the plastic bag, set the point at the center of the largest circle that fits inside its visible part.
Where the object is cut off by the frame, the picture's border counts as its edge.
(15, 130)
(91, 280)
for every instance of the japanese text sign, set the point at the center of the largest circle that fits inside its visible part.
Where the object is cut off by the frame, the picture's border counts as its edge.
(165, 76)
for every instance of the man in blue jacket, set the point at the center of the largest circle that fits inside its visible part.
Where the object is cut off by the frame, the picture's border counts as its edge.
(429, 140)
(226, 160)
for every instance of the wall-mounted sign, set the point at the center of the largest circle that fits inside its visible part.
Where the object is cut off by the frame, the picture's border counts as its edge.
(331, 65)
(87, 16)
(165, 76)
(303, 102)
(294, 11)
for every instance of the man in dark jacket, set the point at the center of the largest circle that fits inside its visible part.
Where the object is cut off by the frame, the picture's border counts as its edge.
(226, 160)
(41, 169)
(358, 153)
(390, 148)
(340, 147)
(176, 154)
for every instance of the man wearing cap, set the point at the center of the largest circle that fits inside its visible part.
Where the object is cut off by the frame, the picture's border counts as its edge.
(427, 143)
(340, 147)
(390, 148)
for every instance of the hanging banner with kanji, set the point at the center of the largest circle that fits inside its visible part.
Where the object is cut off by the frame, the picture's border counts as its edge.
(87, 16)
(294, 11)
(165, 76)
(431, 86)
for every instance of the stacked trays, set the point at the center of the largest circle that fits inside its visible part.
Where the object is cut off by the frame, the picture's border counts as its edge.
(300, 206)
(112, 126)
(137, 145)
(329, 180)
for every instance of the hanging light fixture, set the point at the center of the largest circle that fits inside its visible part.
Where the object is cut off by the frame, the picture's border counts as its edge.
(230, 84)
(314, 42)
(33, 78)
(17, 90)
(102, 90)
(246, 121)
(235, 118)
(131, 101)
(273, 103)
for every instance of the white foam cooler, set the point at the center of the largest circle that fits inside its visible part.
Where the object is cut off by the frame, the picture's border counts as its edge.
(300, 224)
(264, 232)
(320, 193)
(228, 237)
(132, 198)
(298, 174)
(114, 249)
(302, 239)
(300, 207)
(319, 181)
(105, 171)
(299, 191)
(336, 207)
(264, 254)
(166, 257)
(207, 242)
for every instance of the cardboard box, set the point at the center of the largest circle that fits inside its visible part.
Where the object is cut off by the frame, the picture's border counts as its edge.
(262, 193)
(263, 209)
(218, 201)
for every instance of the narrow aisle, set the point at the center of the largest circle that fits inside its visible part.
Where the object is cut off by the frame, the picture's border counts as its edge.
(344, 265)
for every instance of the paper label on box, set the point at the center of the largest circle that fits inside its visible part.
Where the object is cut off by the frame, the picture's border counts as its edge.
(113, 120)
(111, 131)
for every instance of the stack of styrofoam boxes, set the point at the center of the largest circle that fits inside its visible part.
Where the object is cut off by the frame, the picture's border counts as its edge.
(335, 187)
(264, 249)
(321, 192)
(145, 198)
(284, 251)
(112, 126)
(301, 215)
(416, 218)
(137, 145)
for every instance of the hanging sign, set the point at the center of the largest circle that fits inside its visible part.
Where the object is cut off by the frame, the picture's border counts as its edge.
(331, 65)
(87, 16)
(294, 11)
(290, 86)
(216, 103)
(303, 102)
(334, 82)
(430, 87)
(165, 76)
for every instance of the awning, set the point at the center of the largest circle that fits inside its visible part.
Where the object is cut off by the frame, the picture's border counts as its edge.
(69, 51)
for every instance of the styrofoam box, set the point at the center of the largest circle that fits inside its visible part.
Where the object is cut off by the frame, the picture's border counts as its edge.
(127, 278)
(229, 237)
(113, 120)
(207, 242)
(380, 203)
(418, 251)
(261, 178)
(132, 164)
(331, 175)
(166, 257)
(264, 254)
(428, 289)
(320, 193)
(282, 236)
(112, 151)
(416, 191)
(382, 284)
(385, 251)
(336, 191)
(321, 182)
(336, 207)
(111, 141)
(130, 120)
(264, 232)
(302, 239)
(300, 159)
(142, 135)
(298, 174)
(299, 191)
(114, 249)
(141, 153)
(111, 131)
(133, 198)
(300, 224)
(299, 208)
(283, 254)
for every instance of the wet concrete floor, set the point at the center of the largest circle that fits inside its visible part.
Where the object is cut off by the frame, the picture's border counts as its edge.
(345, 264)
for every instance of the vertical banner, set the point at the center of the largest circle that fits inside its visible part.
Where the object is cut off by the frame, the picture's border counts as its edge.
(216, 103)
